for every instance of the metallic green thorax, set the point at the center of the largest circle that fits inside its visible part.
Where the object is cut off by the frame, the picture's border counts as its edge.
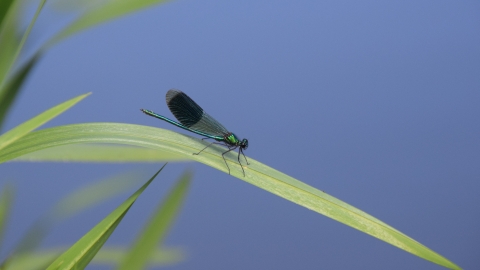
(232, 139)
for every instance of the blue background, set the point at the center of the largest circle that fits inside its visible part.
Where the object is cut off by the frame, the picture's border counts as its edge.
(374, 102)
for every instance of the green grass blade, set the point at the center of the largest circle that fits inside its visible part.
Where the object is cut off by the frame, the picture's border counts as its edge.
(12, 88)
(159, 257)
(33, 261)
(23, 129)
(82, 252)
(4, 7)
(106, 256)
(94, 194)
(156, 229)
(104, 13)
(9, 41)
(100, 153)
(257, 174)
(11, 60)
(74, 203)
(6, 199)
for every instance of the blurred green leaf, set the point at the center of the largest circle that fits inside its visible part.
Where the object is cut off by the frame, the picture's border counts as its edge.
(98, 15)
(33, 261)
(73, 203)
(159, 257)
(99, 153)
(76, 5)
(12, 88)
(4, 7)
(94, 194)
(23, 129)
(257, 174)
(6, 199)
(82, 252)
(10, 39)
(107, 255)
(156, 229)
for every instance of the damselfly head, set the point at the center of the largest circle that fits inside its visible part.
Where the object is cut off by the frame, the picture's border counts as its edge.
(244, 144)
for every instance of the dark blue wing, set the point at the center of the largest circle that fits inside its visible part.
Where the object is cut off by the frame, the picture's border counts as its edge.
(191, 115)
